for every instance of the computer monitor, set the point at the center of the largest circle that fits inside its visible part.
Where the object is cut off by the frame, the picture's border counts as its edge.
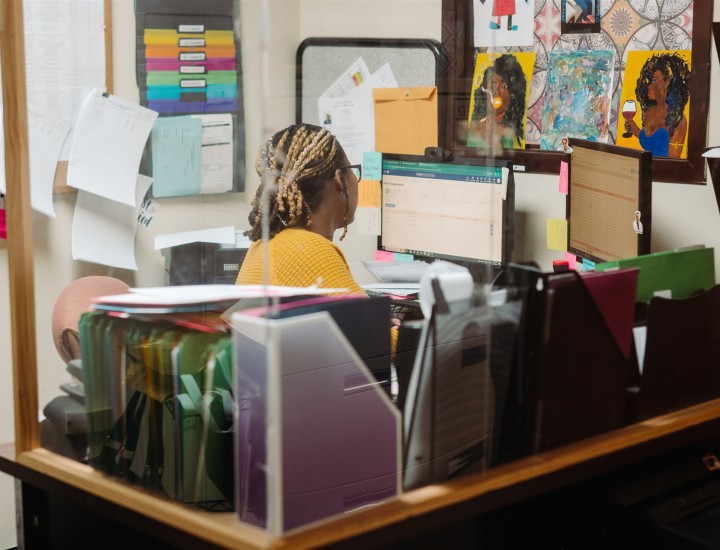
(609, 201)
(459, 210)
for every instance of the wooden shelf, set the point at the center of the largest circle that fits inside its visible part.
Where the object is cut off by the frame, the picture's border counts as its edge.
(421, 510)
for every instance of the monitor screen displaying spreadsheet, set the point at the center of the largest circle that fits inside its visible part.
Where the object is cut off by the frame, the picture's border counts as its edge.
(456, 210)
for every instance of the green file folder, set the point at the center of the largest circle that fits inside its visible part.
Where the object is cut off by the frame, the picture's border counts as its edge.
(682, 272)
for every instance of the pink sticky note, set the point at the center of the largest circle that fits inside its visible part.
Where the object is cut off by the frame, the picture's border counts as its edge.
(571, 260)
(383, 256)
(563, 177)
(3, 227)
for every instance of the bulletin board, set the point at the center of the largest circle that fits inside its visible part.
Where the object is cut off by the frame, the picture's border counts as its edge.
(414, 62)
(625, 25)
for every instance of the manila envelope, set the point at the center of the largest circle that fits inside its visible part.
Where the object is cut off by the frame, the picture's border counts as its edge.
(406, 119)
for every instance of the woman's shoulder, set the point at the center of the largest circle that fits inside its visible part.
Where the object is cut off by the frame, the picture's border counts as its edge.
(302, 241)
(296, 235)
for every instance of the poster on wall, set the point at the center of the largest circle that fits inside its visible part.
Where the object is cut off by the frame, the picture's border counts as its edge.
(498, 100)
(655, 103)
(577, 98)
(579, 16)
(624, 26)
(503, 22)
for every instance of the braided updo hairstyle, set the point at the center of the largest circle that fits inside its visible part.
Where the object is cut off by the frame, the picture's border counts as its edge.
(293, 166)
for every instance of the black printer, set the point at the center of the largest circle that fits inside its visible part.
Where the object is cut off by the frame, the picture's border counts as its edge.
(202, 263)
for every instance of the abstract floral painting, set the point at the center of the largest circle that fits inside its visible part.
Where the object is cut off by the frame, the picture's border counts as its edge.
(626, 25)
(577, 96)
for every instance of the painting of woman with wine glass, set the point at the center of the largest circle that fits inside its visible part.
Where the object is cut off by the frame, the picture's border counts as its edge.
(655, 104)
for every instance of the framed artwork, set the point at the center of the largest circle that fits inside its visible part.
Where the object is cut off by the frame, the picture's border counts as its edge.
(655, 103)
(498, 102)
(624, 26)
(577, 96)
(579, 16)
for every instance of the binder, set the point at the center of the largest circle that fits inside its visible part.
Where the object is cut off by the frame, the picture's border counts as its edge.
(683, 272)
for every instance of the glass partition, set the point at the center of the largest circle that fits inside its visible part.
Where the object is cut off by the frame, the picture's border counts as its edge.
(351, 367)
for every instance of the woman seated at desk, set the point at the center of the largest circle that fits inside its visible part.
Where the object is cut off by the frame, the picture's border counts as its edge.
(311, 191)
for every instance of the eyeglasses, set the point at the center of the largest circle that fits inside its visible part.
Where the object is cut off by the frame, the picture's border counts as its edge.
(356, 170)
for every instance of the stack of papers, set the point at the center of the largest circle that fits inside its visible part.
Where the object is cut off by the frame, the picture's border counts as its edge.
(346, 108)
(393, 289)
(397, 272)
(186, 298)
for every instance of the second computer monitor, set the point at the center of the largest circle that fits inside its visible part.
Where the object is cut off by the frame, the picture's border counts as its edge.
(460, 210)
(609, 201)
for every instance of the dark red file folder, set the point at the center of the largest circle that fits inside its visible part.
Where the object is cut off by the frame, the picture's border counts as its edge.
(577, 360)
(682, 353)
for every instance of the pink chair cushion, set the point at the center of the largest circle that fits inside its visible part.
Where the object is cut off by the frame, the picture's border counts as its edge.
(74, 300)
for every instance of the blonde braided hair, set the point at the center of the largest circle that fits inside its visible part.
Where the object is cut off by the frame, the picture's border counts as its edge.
(293, 166)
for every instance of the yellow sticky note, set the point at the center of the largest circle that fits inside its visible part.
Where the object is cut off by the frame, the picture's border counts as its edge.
(557, 234)
(370, 194)
(367, 221)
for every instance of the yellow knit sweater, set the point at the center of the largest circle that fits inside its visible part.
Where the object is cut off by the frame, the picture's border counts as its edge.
(299, 258)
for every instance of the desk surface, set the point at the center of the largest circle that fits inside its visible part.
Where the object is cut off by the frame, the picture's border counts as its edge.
(416, 511)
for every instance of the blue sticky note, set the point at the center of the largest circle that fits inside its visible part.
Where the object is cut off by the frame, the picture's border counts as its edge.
(588, 265)
(372, 166)
(399, 257)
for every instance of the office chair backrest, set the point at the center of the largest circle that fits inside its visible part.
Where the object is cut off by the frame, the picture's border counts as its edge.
(75, 299)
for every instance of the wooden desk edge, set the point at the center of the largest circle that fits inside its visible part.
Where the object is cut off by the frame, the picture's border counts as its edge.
(414, 511)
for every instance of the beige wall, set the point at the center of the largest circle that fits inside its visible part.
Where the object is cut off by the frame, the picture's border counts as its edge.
(682, 214)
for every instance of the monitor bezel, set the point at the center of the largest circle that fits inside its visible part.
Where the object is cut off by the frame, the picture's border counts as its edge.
(508, 210)
(644, 200)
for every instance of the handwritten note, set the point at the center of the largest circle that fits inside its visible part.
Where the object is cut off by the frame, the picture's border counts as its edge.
(557, 234)
(370, 194)
(109, 139)
(372, 165)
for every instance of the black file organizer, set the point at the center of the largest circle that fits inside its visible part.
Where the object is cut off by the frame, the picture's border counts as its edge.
(414, 61)
(682, 353)
(572, 379)
(212, 14)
